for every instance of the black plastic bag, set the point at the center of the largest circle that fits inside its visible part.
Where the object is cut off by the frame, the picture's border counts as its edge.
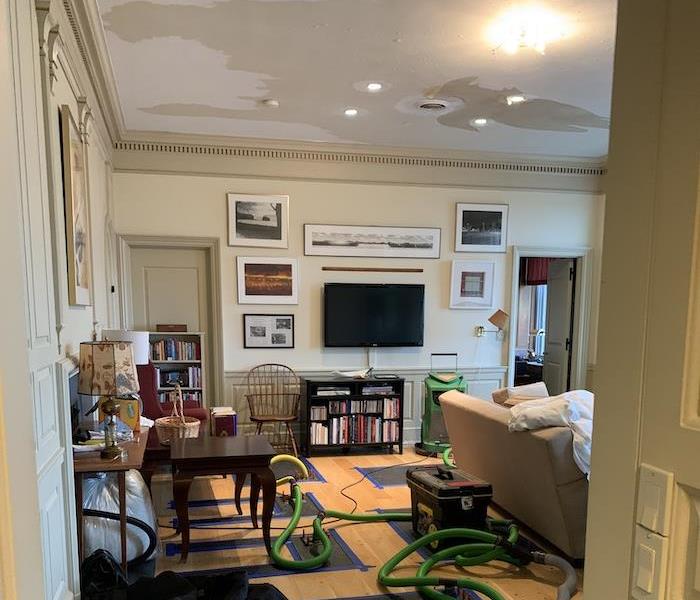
(102, 578)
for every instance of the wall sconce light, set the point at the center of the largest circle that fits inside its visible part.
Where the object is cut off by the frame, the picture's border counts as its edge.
(499, 319)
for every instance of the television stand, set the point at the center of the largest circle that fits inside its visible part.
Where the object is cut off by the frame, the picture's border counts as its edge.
(343, 414)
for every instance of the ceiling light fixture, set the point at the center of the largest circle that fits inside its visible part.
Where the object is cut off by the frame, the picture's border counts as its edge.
(350, 112)
(515, 99)
(433, 105)
(527, 27)
(480, 121)
(374, 86)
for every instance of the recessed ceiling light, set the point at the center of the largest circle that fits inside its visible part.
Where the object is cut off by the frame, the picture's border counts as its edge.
(350, 112)
(527, 27)
(374, 86)
(480, 121)
(515, 99)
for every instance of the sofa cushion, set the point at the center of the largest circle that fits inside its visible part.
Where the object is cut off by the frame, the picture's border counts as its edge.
(510, 396)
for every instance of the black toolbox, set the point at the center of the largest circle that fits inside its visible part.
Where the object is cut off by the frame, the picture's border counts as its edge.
(446, 498)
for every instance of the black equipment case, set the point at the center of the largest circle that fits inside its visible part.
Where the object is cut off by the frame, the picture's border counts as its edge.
(445, 498)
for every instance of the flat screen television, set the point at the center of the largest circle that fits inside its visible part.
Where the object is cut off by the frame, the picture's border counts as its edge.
(373, 314)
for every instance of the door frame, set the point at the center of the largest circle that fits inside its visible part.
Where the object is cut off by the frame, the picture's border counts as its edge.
(583, 289)
(211, 245)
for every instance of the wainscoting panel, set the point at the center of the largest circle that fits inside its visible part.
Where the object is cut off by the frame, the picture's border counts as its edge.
(481, 382)
(46, 424)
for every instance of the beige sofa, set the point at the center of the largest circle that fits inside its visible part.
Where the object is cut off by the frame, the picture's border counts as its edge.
(533, 473)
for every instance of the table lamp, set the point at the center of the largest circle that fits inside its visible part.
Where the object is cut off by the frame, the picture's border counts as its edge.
(108, 370)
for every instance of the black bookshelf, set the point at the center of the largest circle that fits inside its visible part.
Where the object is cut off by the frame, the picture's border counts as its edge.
(343, 413)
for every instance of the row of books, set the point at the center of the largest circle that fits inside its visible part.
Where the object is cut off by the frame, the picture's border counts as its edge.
(392, 408)
(331, 390)
(365, 406)
(338, 407)
(186, 377)
(318, 413)
(377, 390)
(172, 349)
(355, 429)
(172, 397)
(390, 431)
(319, 434)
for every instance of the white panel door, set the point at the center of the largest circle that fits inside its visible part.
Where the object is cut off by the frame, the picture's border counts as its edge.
(557, 345)
(169, 285)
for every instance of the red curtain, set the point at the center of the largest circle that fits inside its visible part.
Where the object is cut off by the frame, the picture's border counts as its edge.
(533, 271)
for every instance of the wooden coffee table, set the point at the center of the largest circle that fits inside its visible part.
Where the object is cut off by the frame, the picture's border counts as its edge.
(237, 455)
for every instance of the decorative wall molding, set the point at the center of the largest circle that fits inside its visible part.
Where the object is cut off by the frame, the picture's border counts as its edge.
(481, 381)
(361, 158)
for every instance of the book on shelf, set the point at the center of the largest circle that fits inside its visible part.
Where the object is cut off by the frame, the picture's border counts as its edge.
(332, 391)
(319, 434)
(173, 349)
(223, 421)
(390, 431)
(318, 413)
(338, 407)
(366, 406)
(355, 429)
(186, 397)
(392, 408)
(377, 390)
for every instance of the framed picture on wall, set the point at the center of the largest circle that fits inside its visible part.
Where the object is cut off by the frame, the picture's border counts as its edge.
(76, 211)
(471, 284)
(255, 220)
(372, 240)
(481, 227)
(267, 280)
(268, 331)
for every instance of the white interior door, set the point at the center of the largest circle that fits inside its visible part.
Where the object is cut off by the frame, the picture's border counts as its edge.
(557, 345)
(169, 285)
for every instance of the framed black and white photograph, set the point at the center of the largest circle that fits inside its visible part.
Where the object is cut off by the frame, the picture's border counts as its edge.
(258, 220)
(472, 284)
(267, 280)
(372, 241)
(481, 228)
(268, 331)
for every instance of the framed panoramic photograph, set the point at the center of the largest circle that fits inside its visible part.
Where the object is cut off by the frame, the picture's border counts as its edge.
(267, 280)
(372, 240)
(76, 211)
(481, 227)
(268, 331)
(471, 284)
(255, 220)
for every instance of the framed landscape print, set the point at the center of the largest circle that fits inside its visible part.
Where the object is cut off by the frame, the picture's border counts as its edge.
(76, 211)
(372, 240)
(255, 220)
(267, 280)
(481, 227)
(268, 331)
(471, 284)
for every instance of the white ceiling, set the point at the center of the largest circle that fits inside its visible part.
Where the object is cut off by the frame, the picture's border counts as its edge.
(204, 67)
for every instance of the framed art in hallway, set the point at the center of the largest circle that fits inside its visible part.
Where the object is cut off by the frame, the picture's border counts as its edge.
(472, 284)
(258, 220)
(76, 211)
(371, 241)
(267, 280)
(268, 331)
(481, 227)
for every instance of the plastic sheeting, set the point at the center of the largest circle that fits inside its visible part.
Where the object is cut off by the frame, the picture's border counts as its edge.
(102, 493)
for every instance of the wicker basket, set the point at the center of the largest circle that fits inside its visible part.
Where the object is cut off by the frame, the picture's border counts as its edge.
(177, 425)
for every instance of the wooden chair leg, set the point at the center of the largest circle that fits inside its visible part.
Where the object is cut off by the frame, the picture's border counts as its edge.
(258, 428)
(292, 438)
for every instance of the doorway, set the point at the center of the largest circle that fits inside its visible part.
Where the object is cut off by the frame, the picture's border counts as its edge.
(175, 281)
(550, 305)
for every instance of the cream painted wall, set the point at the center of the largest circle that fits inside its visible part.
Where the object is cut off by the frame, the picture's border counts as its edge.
(187, 205)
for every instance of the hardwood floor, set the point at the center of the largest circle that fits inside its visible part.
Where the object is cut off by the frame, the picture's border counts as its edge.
(372, 543)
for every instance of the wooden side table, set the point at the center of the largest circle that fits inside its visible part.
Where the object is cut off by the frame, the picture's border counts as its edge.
(208, 455)
(90, 462)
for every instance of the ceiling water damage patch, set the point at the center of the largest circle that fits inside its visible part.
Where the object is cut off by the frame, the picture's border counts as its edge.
(536, 113)
(208, 66)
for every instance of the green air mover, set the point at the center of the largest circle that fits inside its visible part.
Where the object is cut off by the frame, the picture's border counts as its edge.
(433, 433)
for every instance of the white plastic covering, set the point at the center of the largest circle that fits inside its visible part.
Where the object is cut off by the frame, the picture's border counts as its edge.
(102, 493)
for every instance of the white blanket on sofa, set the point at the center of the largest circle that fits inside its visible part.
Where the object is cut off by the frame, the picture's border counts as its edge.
(572, 409)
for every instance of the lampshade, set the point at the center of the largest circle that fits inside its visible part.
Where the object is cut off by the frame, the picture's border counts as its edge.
(499, 319)
(139, 339)
(107, 369)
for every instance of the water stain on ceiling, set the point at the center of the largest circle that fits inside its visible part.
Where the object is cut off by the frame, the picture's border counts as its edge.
(206, 67)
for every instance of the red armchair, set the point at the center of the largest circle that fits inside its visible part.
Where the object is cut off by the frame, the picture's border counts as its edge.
(152, 407)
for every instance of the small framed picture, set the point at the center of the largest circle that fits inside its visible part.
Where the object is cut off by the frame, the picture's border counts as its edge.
(481, 228)
(267, 280)
(256, 220)
(471, 284)
(268, 331)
